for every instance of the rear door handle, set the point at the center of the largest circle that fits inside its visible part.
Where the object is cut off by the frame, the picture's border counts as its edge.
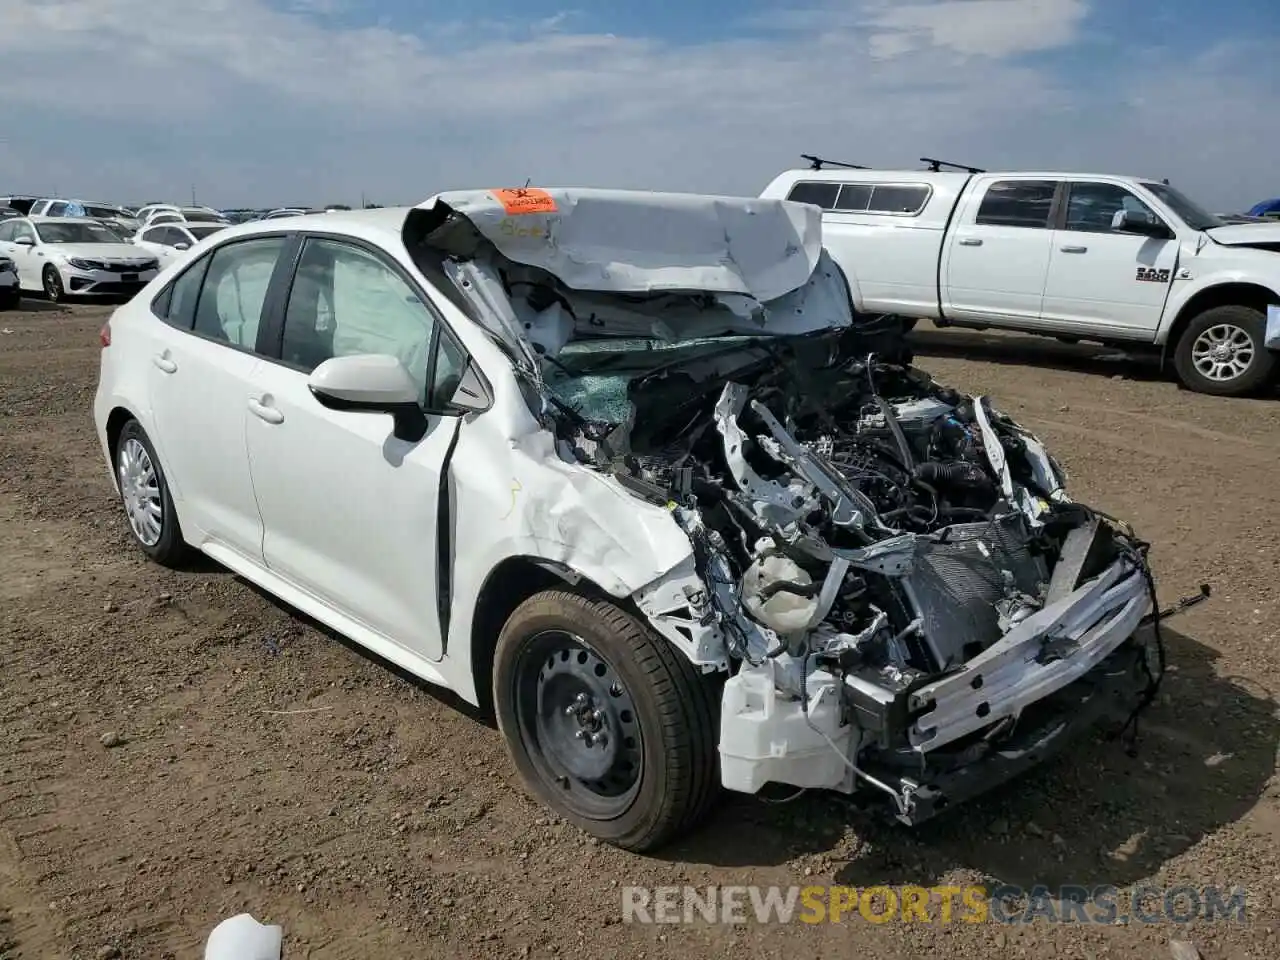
(970, 242)
(1073, 249)
(264, 412)
(164, 363)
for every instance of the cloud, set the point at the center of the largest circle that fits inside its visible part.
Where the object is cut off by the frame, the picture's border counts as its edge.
(257, 103)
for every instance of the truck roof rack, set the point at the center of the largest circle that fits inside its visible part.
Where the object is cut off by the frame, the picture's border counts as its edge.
(935, 166)
(817, 163)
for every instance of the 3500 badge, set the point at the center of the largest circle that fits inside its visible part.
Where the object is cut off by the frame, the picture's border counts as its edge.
(1153, 274)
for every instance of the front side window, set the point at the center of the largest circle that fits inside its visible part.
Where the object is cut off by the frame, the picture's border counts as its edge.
(346, 301)
(1092, 206)
(155, 235)
(1018, 203)
(21, 230)
(234, 290)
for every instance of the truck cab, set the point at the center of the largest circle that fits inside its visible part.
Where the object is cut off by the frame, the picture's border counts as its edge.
(1114, 259)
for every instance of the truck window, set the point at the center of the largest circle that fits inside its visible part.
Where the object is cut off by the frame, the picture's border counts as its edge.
(820, 194)
(1018, 203)
(1092, 205)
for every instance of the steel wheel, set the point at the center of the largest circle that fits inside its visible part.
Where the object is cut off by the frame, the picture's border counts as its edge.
(579, 725)
(140, 489)
(1222, 352)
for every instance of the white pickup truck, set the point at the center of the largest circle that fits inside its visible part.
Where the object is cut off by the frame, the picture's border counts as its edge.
(1118, 260)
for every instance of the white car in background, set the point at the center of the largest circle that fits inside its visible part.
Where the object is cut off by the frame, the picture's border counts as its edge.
(170, 213)
(555, 477)
(171, 241)
(76, 256)
(85, 208)
(10, 292)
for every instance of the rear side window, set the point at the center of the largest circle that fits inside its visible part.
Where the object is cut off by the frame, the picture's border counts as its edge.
(229, 307)
(900, 199)
(1018, 203)
(819, 194)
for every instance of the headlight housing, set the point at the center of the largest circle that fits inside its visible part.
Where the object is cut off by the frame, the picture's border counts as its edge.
(82, 264)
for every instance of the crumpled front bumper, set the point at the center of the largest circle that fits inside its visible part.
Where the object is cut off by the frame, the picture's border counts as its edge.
(1048, 679)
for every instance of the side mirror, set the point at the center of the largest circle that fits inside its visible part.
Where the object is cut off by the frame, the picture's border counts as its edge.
(472, 393)
(24, 241)
(182, 246)
(1129, 221)
(372, 383)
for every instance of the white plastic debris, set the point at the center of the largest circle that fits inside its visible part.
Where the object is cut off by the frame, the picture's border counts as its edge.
(244, 938)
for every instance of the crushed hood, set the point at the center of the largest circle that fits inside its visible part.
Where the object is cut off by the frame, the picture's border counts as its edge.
(625, 241)
(1246, 234)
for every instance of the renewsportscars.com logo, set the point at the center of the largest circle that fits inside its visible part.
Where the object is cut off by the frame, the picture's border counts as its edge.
(939, 904)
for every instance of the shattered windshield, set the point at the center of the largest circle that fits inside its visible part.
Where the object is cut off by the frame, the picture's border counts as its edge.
(593, 377)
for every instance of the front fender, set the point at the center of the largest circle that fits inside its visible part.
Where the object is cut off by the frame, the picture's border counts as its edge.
(1186, 291)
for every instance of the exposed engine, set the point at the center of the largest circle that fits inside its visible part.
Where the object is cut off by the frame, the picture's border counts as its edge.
(863, 529)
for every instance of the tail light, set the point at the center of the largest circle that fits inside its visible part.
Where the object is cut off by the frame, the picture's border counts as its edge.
(104, 335)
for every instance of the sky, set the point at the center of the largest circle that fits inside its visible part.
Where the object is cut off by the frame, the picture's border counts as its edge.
(282, 102)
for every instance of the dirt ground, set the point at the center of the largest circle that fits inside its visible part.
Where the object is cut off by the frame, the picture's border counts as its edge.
(264, 766)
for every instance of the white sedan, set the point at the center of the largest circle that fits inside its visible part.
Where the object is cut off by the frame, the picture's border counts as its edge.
(171, 241)
(73, 256)
(626, 467)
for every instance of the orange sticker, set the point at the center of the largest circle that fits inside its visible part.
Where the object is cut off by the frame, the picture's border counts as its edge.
(517, 200)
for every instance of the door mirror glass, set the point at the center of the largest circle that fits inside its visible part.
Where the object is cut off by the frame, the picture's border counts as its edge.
(371, 383)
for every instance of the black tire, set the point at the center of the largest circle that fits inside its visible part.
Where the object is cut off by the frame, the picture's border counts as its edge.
(659, 714)
(168, 549)
(1251, 325)
(9, 300)
(51, 281)
(908, 323)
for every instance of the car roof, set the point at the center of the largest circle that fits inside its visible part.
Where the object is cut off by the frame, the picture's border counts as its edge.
(382, 225)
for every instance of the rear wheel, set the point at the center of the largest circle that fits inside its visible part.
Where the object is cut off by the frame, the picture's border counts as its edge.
(147, 504)
(1222, 352)
(9, 298)
(51, 280)
(606, 723)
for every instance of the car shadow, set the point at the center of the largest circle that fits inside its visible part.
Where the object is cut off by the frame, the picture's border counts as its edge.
(31, 304)
(445, 697)
(1024, 350)
(1095, 815)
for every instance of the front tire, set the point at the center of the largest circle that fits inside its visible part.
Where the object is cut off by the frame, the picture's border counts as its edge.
(153, 522)
(605, 722)
(1222, 352)
(51, 280)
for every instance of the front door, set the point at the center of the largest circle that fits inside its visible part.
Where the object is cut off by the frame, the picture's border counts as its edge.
(348, 509)
(1102, 281)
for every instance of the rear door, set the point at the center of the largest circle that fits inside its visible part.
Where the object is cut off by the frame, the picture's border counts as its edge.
(204, 364)
(996, 257)
(1103, 281)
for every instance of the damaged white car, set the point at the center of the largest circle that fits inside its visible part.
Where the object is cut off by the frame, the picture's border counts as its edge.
(627, 464)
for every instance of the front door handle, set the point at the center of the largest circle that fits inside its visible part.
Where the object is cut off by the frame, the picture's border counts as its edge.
(1073, 249)
(164, 363)
(264, 412)
(970, 242)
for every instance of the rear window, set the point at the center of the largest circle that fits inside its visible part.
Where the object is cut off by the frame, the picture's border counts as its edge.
(896, 199)
(1018, 203)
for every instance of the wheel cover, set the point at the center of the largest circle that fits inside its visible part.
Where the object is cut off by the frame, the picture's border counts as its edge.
(1223, 352)
(578, 723)
(140, 488)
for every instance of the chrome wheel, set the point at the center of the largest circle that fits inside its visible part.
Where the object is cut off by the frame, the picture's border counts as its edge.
(1222, 352)
(140, 489)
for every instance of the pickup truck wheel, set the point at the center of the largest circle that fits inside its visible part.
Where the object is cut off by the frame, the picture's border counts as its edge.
(1221, 352)
(606, 723)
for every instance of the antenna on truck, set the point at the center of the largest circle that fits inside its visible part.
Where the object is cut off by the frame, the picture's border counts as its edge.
(935, 166)
(817, 163)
